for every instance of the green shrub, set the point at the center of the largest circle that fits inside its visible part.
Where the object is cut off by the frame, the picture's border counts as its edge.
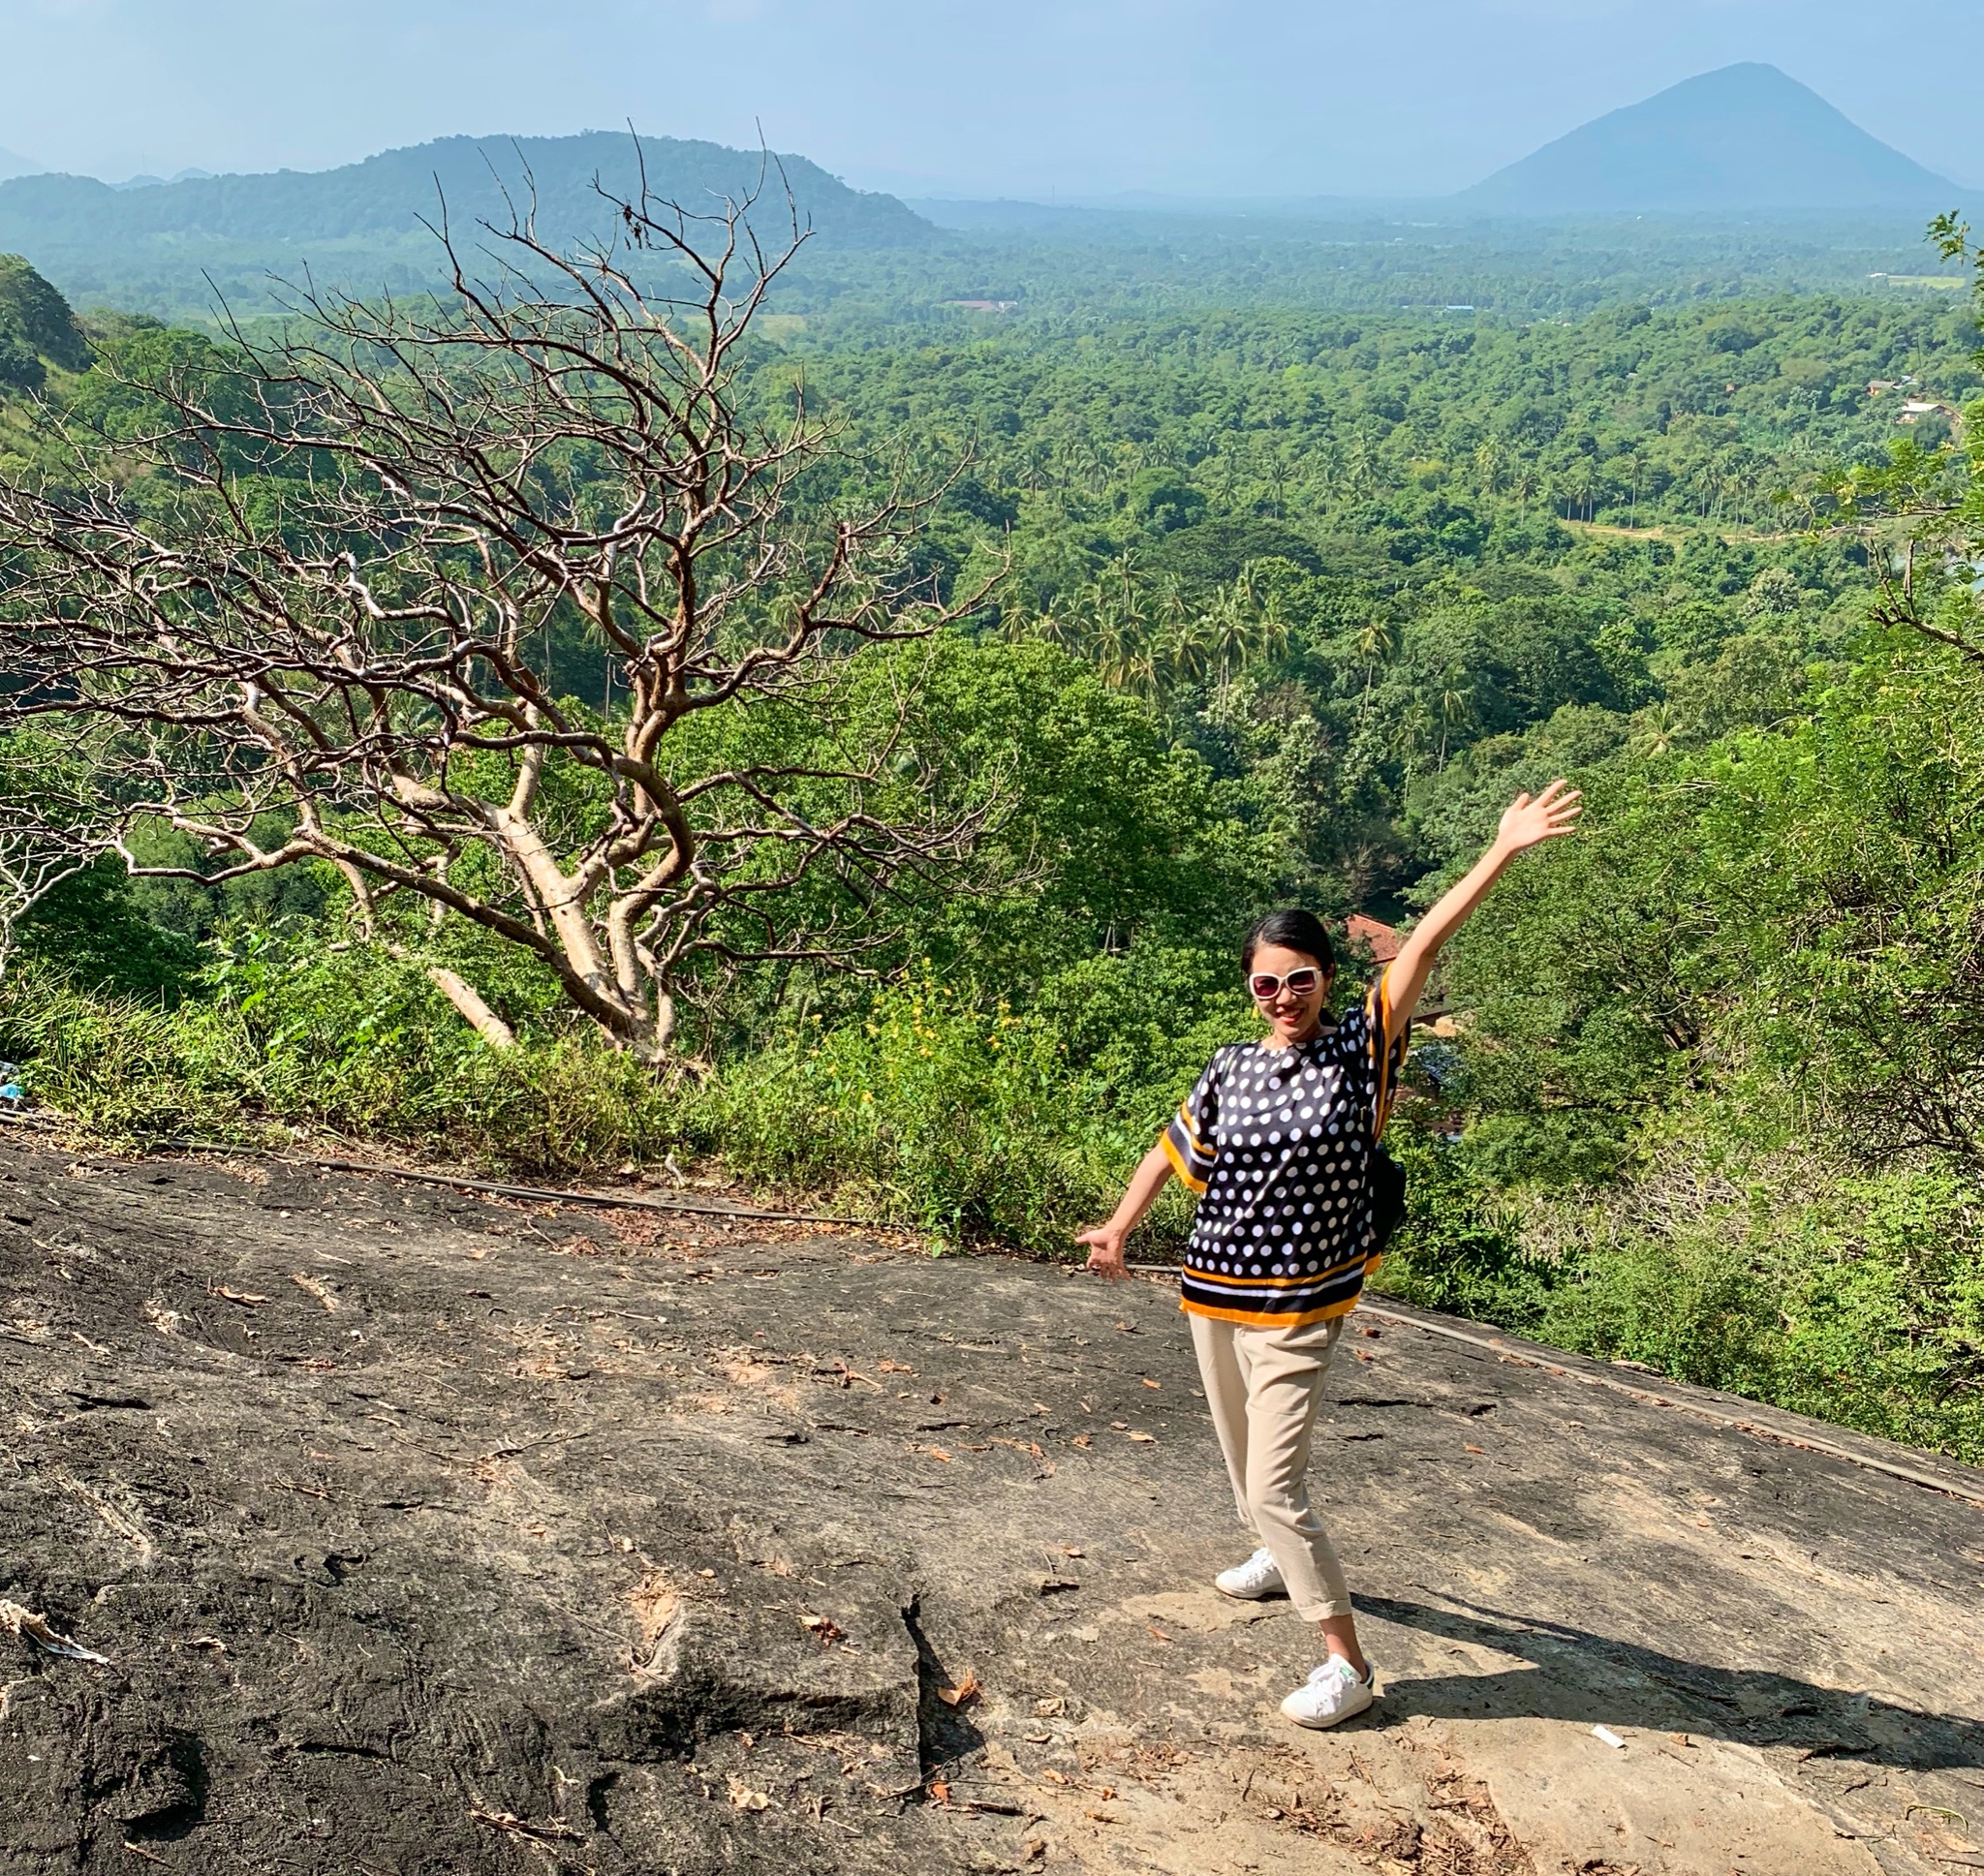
(970, 1124)
(290, 1036)
(1683, 1307)
(1880, 1299)
(1460, 1247)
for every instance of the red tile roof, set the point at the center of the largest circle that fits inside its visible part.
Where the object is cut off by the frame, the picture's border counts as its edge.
(1383, 942)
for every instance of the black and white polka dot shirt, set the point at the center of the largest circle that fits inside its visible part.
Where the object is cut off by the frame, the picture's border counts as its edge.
(1277, 1143)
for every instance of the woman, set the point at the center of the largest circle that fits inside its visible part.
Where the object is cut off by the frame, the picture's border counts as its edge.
(1275, 1139)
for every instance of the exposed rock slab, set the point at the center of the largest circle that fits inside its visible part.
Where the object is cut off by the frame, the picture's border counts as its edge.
(424, 1533)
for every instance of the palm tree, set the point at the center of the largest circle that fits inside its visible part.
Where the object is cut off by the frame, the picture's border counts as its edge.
(1377, 644)
(1188, 648)
(1414, 729)
(1453, 703)
(1139, 675)
(1359, 472)
(1655, 728)
(1060, 626)
(1271, 629)
(1123, 571)
(1277, 473)
(1325, 467)
(1115, 644)
(1632, 466)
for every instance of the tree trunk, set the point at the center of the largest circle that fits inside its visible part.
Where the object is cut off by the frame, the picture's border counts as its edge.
(467, 1000)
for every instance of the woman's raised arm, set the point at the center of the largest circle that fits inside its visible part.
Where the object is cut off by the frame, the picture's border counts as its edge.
(1525, 823)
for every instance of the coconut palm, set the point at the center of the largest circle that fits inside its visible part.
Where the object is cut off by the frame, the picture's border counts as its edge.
(1230, 630)
(1656, 728)
(1453, 705)
(1270, 627)
(1189, 651)
(1377, 644)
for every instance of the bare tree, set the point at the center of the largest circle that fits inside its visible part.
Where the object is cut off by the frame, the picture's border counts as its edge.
(318, 596)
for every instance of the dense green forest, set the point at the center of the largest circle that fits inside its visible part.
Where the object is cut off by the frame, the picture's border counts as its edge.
(1256, 603)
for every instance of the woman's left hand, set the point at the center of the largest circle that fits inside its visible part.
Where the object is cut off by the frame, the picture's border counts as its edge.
(1530, 821)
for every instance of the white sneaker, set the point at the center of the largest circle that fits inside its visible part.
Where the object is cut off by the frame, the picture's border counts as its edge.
(1334, 1692)
(1250, 1580)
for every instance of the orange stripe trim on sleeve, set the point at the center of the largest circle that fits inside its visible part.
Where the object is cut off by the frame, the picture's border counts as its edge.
(1178, 1165)
(1378, 1013)
(1199, 1146)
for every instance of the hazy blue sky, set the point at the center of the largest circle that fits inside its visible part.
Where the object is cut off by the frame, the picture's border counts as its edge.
(974, 97)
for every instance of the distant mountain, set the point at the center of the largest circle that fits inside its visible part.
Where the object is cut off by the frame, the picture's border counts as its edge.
(1744, 138)
(11, 165)
(91, 232)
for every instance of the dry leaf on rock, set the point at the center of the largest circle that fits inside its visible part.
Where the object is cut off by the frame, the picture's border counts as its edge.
(744, 1798)
(966, 1689)
(551, 1831)
(26, 1624)
(320, 1291)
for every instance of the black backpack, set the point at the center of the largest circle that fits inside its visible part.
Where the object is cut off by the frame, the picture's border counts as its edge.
(1388, 1196)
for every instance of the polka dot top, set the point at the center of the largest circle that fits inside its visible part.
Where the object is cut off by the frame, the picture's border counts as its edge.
(1277, 1143)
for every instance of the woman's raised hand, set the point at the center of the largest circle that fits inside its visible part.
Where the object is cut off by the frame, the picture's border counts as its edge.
(1527, 820)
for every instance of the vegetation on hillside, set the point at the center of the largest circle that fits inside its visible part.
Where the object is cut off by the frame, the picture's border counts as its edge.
(1295, 602)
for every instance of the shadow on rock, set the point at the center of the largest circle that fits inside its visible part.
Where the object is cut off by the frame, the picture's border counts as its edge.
(1591, 1679)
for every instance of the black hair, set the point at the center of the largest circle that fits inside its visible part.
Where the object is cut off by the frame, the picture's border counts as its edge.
(1293, 930)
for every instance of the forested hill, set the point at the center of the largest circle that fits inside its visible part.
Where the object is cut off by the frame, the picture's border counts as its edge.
(62, 221)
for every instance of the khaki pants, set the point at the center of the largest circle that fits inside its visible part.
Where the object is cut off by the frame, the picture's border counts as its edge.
(1264, 1387)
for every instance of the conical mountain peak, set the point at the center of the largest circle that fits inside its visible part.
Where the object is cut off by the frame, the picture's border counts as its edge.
(1744, 137)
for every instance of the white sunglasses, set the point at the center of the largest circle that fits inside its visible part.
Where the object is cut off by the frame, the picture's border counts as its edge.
(1266, 987)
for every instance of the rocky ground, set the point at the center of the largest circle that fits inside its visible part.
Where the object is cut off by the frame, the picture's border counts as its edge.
(424, 1532)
